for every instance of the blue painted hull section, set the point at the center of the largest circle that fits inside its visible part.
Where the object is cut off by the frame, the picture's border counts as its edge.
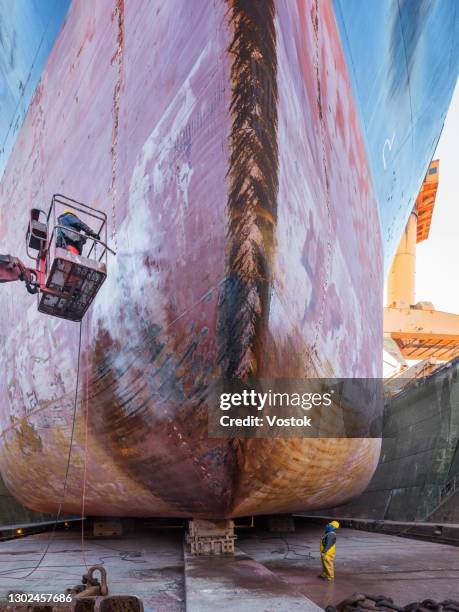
(403, 57)
(28, 30)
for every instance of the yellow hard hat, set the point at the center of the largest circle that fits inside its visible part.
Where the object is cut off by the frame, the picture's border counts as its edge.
(335, 524)
(68, 211)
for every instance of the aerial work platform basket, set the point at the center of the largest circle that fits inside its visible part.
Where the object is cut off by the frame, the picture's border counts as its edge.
(73, 282)
(68, 281)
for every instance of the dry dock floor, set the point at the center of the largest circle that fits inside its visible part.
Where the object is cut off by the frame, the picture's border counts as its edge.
(271, 571)
(149, 565)
(405, 569)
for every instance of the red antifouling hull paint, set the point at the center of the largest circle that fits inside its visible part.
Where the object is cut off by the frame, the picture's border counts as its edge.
(222, 141)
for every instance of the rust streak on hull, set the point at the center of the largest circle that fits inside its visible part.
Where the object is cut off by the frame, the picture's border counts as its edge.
(253, 188)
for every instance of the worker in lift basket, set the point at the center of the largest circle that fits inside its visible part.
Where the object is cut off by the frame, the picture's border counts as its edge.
(327, 551)
(73, 241)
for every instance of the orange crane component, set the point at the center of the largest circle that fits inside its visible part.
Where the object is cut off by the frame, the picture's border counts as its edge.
(416, 330)
(425, 201)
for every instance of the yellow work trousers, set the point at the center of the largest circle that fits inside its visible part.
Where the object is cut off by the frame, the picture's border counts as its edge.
(328, 565)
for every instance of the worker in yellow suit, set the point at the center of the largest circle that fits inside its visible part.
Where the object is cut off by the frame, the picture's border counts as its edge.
(327, 551)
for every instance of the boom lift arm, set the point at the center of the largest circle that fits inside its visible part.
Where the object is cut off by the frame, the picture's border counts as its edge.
(12, 269)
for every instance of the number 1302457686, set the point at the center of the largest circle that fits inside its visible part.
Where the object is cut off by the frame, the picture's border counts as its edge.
(39, 597)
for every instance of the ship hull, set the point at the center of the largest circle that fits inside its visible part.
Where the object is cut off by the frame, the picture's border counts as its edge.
(241, 206)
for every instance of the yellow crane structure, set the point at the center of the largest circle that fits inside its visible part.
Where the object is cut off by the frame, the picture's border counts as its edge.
(416, 331)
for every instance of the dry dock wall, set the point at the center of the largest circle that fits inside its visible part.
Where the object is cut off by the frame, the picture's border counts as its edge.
(12, 513)
(419, 455)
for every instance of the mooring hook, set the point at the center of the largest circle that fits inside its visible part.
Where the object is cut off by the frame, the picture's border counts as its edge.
(103, 577)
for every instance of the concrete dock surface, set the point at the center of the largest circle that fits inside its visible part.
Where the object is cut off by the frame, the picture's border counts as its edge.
(405, 569)
(269, 572)
(227, 582)
(149, 565)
